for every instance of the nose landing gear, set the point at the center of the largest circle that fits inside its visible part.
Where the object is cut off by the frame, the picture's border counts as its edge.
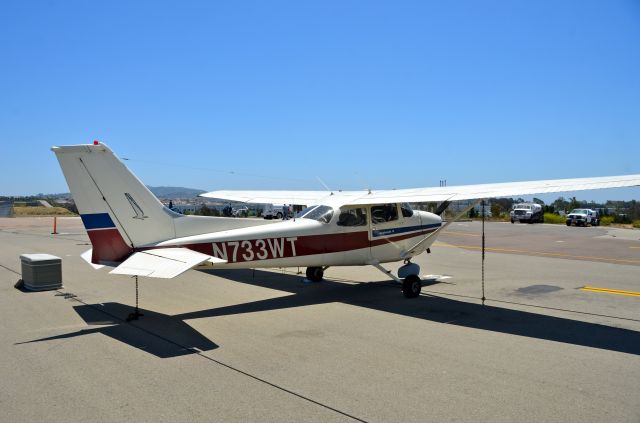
(411, 286)
(408, 277)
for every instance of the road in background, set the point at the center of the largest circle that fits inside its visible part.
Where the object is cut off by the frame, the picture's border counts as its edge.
(600, 243)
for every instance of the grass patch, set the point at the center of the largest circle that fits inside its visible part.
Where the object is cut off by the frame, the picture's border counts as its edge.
(636, 224)
(606, 220)
(555, 219)
(41, 211)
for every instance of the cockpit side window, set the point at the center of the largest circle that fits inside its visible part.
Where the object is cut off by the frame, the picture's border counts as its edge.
(384, 213)
(406, 210)
(353, 217)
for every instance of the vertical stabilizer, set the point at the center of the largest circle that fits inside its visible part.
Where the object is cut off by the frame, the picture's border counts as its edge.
(118, 211)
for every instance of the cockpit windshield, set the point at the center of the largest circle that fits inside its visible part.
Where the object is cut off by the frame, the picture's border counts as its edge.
(322, 214)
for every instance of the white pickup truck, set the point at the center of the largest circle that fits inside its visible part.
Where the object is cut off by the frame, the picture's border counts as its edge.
(583, 217)
(527, 212)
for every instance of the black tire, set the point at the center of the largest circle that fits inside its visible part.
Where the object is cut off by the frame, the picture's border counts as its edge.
(315, 274)
(279, 216)
(512, 221)
(411, 286)
(568, 223)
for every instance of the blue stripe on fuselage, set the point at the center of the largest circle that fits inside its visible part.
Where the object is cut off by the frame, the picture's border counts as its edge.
(97, 221)
(395, 231)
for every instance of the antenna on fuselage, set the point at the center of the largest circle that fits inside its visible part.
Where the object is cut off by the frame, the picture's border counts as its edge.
(324, 185)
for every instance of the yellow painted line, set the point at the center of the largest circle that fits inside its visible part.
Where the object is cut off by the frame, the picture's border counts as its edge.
(637, 248)
(460, 233)
(611, 291)
(541, 253)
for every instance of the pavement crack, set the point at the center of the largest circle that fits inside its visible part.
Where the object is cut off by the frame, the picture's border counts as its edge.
(10, 270)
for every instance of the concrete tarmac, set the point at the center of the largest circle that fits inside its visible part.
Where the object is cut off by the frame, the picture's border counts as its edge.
(261, 345)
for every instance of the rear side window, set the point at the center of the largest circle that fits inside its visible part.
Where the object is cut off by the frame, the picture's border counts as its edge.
(384, 213)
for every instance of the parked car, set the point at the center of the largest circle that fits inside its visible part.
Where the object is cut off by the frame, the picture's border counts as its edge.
(240, 212)
(527, 212)
(583, 217)
(272, 211)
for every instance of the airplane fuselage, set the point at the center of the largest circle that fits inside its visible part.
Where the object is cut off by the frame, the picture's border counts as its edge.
(308, 242)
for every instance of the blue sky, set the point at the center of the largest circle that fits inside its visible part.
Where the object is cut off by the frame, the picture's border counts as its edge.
(267, 95)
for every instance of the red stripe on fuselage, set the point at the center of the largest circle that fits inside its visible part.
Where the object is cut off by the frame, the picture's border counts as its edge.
(108, 246)
(286, 247)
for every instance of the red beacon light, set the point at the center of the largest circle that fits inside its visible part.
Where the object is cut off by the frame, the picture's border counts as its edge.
(96, 142)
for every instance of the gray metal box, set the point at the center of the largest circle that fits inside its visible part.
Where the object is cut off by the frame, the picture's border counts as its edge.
(41, 272)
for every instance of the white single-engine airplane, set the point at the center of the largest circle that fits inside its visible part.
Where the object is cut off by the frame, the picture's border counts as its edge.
(131, 230)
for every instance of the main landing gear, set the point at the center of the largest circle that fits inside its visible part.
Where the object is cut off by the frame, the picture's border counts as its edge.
(315, 274)
(408, 276)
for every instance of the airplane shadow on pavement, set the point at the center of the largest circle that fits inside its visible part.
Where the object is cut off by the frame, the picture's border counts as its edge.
(169, 336)
(388, 297)
(155, 333)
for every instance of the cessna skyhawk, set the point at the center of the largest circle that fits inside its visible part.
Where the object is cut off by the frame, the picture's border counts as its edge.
(131, 230)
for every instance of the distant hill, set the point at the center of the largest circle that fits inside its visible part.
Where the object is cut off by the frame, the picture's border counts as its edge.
(175, 192)
(160, 192)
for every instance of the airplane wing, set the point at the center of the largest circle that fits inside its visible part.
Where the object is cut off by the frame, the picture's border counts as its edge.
(276, 197)
(434, 194)
(162, 262)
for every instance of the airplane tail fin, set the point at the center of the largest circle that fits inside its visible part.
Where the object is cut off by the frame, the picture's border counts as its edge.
(117, 210)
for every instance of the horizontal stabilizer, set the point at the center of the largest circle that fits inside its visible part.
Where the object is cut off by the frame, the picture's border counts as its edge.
(162, 262)
(86, 256)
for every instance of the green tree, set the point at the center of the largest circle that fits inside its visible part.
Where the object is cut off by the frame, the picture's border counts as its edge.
(496, 209)
(573, 204)
(204, 210)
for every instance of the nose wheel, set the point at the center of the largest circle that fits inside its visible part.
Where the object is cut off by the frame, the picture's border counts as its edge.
(411, 286)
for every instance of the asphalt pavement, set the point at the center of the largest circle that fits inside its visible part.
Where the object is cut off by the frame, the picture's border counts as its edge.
(261, 345)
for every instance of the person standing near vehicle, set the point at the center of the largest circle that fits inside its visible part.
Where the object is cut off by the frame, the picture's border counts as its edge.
(285, 212)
